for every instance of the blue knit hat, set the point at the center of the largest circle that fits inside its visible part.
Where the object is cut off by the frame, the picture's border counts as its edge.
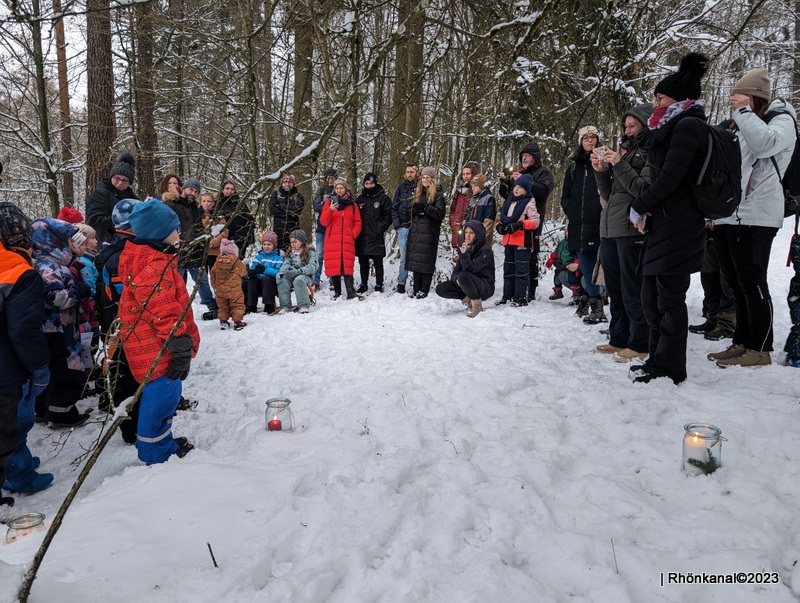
(525, 181)
(121, 213)
(154, 221)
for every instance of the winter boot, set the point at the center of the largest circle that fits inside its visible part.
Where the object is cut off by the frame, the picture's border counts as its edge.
(583, 306)
(732, 351)
(502, 301)
(401, 288)
(210, 315)
(362, 288)
(576, 295)
(750, 358)
(223, 324)
(239, 325)
(39, 482)
(531, 294)
(597, 315)
(705, 327)
(717, 333)
(378, 288)
(557, 294)
(466, 301)
(251, 309)
(518, 303)
(184, 447)
(350, 288)
(6, 500)
(475, 307)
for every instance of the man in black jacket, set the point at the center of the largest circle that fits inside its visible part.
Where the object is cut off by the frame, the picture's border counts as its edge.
(100, 203)
(530, 159)
(401, 218)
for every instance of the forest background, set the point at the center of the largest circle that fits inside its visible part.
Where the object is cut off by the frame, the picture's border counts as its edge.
(247, 90)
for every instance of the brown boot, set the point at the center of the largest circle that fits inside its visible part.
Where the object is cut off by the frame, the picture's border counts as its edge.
(748, 358)
(732, 351)
(475, 308)
(465, 301)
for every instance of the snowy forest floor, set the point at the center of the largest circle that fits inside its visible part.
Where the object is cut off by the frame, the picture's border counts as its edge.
(436, 458)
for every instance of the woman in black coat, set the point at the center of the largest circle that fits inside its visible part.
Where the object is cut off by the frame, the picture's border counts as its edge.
(241, 223)
(472, 280)
(427, 213)
(285, 206)
(376, 218)
(667, 213)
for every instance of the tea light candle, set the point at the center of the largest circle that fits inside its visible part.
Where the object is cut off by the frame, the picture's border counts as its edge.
(275, 424)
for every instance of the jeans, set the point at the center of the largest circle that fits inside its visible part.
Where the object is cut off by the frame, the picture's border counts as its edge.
(664, 305)
(320, 256)
(402, 241)
(743, 253)
(628, 328)
(516, 272)
(587, 261)
(206, 294)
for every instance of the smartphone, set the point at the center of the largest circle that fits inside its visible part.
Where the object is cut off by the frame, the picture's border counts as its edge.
(644, 222)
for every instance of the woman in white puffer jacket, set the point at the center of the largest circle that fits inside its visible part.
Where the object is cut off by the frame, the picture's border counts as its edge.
(744, 240)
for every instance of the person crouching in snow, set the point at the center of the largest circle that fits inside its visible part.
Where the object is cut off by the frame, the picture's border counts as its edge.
(472, 280)
(226, 278)
(297, 271)
(152, 302)
(261, 278)
(518, 219)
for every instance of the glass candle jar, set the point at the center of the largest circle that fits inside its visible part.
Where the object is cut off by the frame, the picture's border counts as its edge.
(702, 448)
(22, 525)
(278, 416)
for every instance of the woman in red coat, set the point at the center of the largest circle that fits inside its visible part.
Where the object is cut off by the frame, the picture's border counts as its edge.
(342, 222)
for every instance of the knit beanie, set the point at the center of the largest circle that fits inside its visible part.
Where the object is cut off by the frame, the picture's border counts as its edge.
(525, 181)
(370, 177)
(479, 180)
(15, 227)
(125, 166)
(270, 236)
(68, 214)
(154, 221)
(121, 212)
(685, 83)
(78, 238)
(331, 173)
(290, 178)
(587, 131)
(193, 183)
(228, 247)
(300, 235)
(756, 83)
(430, 172)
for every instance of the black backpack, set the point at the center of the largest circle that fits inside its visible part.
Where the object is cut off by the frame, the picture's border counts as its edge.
(791, 178)
(718, 188)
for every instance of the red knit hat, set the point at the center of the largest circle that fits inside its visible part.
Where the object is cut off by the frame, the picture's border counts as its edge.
(71, 215)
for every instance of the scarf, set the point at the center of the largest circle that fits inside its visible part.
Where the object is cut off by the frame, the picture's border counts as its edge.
(516, 214)
(662, 115)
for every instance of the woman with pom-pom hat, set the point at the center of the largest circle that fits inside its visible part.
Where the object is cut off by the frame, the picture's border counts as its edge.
(667, 213)
(108, 193)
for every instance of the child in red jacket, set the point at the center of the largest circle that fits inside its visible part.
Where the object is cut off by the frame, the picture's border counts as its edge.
(152, 302)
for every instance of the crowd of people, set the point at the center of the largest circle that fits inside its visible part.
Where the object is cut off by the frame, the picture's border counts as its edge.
(634, 236)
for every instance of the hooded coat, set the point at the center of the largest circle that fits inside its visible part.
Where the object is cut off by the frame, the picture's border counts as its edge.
(675, 240)
(620, 184)
(581, 202)
(342, 226)
(375, 208)
(226, 277)
(543, 181)
(285, 208)
(152, 302)
(423, 237)
(52, 259)
(99, 205)
(478, 261)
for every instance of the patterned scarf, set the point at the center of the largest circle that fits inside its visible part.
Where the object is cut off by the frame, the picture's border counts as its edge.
(662, 115)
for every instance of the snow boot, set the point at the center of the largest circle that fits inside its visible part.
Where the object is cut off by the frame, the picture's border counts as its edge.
(6, 500)
(401, 288)
(750, 358)
(518, 303)
(475, 307)
(502, 301)
(597, 315)
(531, 295)
(378, 288)
(583, 306)
(223, 324)
(184, 404)
(184, 447)
(557, 294)
(576, 295)
(718, 333)
(362, 288)
(350, 288)
(39, 482)
(707, 326)
(466, 301)
(732, 351)
(239, 325)
(251, 309)
(210, 315)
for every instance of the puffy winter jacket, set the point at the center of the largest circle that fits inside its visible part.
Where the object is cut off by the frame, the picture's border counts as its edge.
(423, 237)
(226, 276)
(99, 205)
(543, 181)
(375, 208)
(530, 221)
(675, 240)
(111, 289)
(272, 262)
(152, 301)
(479, 261)
(285, 208)
(294, 261)
(401, 204)
(342, 226)
(458, 210)
(581, 202)
(762, 192)
(22, 344)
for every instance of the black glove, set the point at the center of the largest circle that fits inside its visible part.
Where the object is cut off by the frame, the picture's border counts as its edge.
(419, 208)
(181, 350)
(501, 228)
(260, 269)
(514, 227)
(251, 273)
(83, 290)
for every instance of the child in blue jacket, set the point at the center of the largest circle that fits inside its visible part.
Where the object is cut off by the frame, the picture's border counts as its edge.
(263, 273)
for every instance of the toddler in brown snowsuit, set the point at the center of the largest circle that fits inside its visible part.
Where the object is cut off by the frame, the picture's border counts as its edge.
(226, 278)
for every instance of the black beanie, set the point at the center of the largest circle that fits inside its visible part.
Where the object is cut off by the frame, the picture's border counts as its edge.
(369, 176)
(685, 83)
(125, 166)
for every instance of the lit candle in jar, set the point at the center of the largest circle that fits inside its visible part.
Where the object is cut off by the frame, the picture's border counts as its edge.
(274, 424)
(702, 448)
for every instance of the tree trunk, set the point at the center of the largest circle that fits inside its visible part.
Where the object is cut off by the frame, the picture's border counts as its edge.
(144, 96)
(100, 88)
(303, 73)
(67, 177)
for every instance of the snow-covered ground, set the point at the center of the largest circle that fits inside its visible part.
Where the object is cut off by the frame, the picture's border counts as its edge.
(436, 458)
